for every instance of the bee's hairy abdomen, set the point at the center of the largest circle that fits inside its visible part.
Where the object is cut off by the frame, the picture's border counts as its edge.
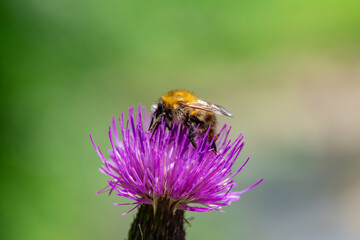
(203, 120)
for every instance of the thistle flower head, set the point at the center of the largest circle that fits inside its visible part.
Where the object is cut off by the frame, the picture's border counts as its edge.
(146, 168)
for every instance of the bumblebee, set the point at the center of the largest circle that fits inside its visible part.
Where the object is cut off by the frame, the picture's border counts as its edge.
(183, 107)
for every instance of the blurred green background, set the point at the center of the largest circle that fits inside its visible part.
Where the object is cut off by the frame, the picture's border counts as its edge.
(288, 70)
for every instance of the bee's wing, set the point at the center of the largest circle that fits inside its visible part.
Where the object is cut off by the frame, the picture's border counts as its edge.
(209, 107)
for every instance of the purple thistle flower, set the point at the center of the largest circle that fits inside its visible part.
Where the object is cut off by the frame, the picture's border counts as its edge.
(148, 170)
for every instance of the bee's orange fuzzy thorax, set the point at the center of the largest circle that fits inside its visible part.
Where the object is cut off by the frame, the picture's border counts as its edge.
(172, 99)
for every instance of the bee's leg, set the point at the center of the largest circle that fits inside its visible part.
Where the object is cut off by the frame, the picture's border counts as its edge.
(213, 138)
(155, 125)
(213, 146)
(151, 123)
(191, 136)
(168, 126)
(193, 123)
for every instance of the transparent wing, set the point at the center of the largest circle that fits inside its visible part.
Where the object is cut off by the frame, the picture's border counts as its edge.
(209, 107)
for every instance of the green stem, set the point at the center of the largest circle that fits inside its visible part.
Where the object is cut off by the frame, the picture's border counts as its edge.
(162, 223)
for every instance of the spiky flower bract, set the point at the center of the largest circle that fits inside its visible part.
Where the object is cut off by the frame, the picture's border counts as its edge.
(165, 167)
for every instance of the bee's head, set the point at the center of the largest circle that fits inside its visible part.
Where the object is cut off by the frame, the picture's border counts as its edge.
(157, 109)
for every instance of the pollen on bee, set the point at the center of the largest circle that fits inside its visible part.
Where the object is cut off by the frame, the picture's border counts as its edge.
(172, 98)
